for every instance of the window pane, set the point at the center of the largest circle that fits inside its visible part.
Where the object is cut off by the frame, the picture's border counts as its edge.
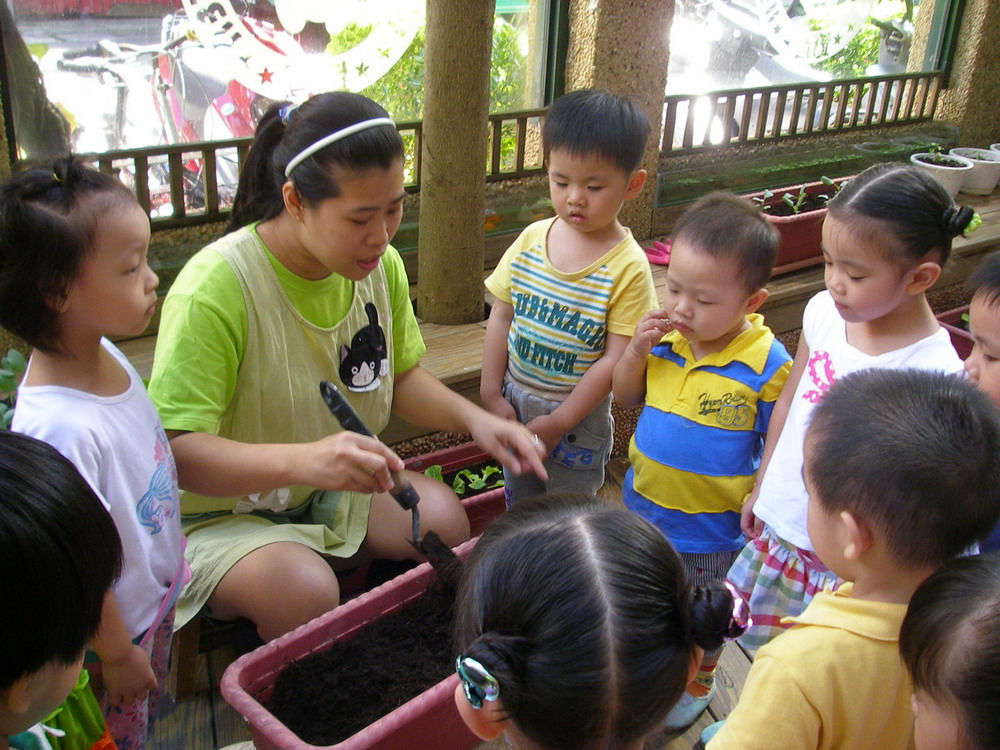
(723, 44)
(133, 73)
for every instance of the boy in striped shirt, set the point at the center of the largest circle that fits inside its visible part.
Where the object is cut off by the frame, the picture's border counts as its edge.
(709, 371)
(569, 293)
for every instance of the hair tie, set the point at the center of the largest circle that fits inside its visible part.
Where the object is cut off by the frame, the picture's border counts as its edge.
(333, 137)
(956, 219)
(740, 619)
(286, 112)
(477, 682)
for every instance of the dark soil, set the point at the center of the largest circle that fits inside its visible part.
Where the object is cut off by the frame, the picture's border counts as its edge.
(811, 203)
(329, 696)
(940, 160)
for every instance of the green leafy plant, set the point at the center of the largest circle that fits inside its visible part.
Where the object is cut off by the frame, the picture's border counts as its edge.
(794, 202)
(12, 369)
(469, 480)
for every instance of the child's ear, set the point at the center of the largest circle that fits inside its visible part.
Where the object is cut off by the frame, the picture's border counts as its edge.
(755, 301)
(488, 722)
(16, 698)
(857, 537)
(923, 277)
(635, 183)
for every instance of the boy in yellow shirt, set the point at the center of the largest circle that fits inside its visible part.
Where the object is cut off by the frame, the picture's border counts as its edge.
(901, 471)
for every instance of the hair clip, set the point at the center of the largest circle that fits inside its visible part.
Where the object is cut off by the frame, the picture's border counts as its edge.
(973, 225)
(740, 620)
(286, 112)
(478, 683)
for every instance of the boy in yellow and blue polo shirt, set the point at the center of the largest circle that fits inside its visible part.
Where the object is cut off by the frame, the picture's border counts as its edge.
(710, 372)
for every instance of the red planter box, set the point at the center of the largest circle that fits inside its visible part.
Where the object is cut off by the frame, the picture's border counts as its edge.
(800, 233)
(960, 338)
(428, 721)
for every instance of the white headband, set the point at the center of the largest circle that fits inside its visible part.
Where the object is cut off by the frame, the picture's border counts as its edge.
(332, 138)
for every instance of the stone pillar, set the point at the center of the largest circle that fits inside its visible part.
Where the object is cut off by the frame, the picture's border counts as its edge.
(453, 156)
(623, 47)
(970, 101)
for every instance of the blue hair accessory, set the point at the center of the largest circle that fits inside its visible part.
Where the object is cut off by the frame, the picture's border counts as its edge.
(478, 683)
(285, 113)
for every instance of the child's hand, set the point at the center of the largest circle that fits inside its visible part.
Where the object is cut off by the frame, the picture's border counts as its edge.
(496, 404)
(128, 677)
(750, 525)
(651, 327)
(548, 430)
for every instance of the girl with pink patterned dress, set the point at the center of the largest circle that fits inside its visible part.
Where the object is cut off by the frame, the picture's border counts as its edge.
(886, 236)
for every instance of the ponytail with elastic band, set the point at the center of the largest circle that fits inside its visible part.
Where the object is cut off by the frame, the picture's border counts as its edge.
(960, 220)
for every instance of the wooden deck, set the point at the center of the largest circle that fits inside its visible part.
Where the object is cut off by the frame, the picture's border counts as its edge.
(207, 722)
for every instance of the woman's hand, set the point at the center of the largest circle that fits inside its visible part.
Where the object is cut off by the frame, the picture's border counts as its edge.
(346, 461)
(128, 676)
(510, 443)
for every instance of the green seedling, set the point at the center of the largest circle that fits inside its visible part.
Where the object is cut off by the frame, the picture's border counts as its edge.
(469, 480)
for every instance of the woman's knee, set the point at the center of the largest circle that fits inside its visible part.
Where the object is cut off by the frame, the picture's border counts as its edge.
(441, 511)
(285, 582)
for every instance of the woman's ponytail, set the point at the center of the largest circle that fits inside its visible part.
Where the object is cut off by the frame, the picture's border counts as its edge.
(258, 195)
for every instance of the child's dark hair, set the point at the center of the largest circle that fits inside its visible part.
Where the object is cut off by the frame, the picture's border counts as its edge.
(48, 225)
(917, 209)
(985, 280)
(950, 643)
(285, 131)
(59, 556)
(589, 122)
(913, 455)
(584, 616)
(731, 229)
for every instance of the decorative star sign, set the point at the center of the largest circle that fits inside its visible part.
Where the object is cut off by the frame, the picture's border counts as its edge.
(270, 61)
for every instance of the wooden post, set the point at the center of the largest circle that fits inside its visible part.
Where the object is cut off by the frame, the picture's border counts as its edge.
(459, 36)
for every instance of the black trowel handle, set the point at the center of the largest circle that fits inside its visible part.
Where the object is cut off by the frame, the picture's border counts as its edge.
(341, 408)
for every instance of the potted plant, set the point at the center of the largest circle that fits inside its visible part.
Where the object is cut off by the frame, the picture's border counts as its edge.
(798, 214)
(985, 172)
(431, 716)
(948, 170)
(956, 323)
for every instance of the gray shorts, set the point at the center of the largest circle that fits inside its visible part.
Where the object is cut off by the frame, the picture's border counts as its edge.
(576, 464)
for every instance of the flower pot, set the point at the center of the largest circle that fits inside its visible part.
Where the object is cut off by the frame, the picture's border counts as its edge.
(429, 720)
(951, 177)
(961, 339)
(800, 233)
(995, 147)
(985, 172)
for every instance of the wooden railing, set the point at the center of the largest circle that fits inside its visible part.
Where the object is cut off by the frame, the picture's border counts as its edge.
(721, 118)
(191, 183)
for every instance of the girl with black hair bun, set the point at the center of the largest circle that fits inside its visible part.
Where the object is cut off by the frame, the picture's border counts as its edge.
(577, 629)
(304, 288)
(886, 237)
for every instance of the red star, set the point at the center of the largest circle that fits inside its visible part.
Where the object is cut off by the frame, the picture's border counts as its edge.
(266, 76)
